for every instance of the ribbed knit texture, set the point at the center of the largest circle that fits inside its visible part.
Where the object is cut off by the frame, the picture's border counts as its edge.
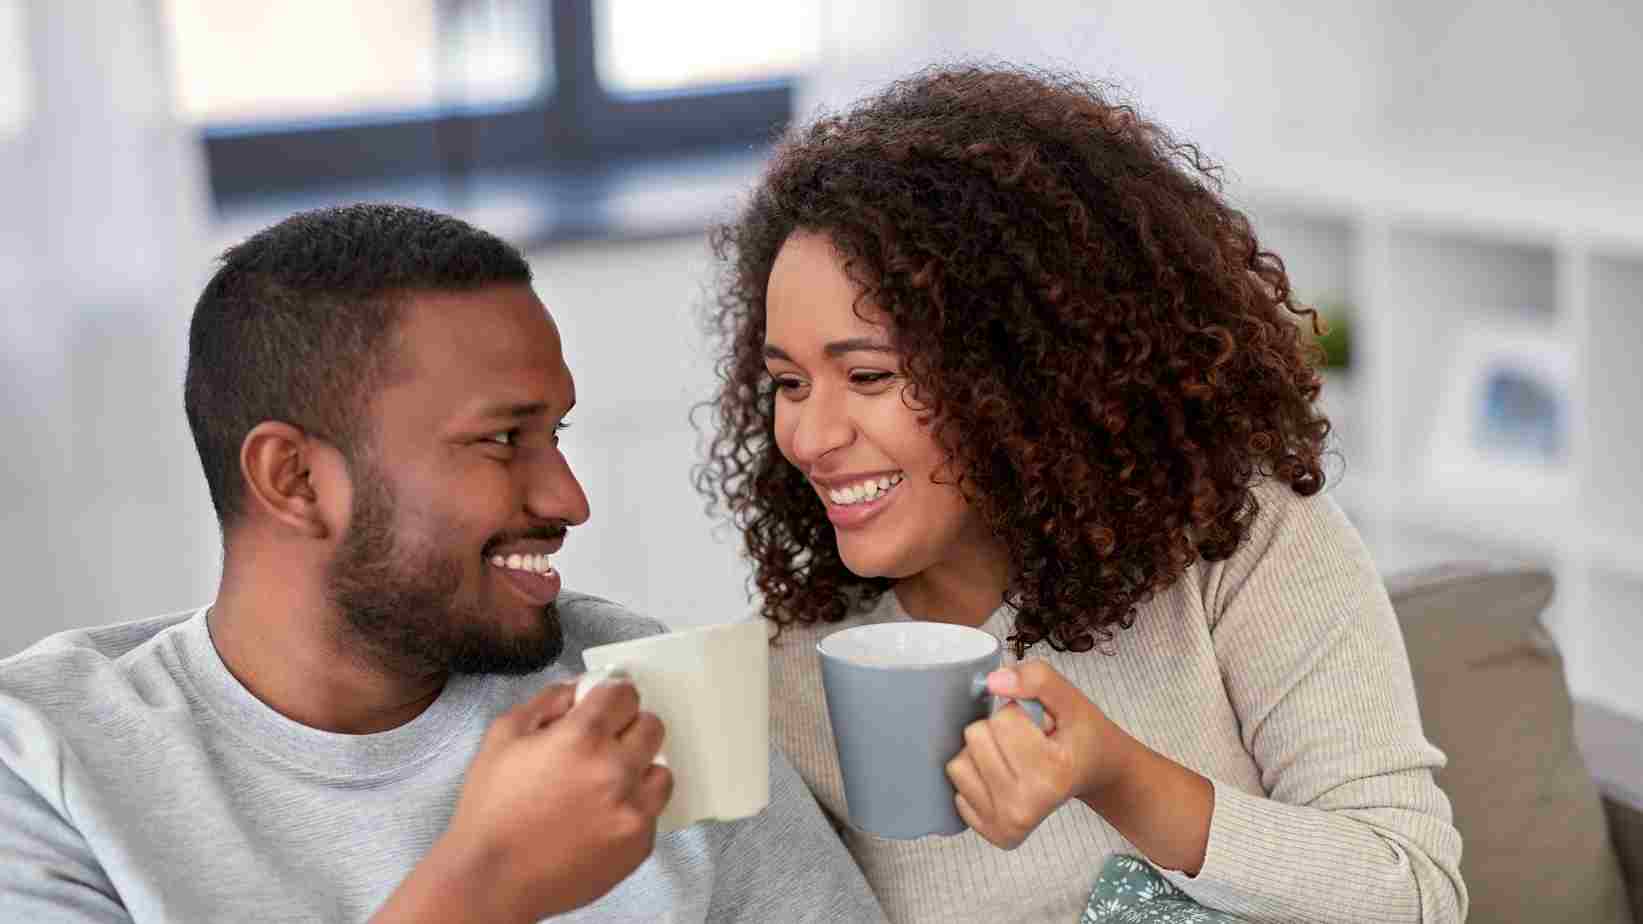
(1279, 674)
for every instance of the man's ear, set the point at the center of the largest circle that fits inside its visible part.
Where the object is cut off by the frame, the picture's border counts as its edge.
(289, 477)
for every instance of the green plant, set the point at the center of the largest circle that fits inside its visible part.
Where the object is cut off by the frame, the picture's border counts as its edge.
(1336, 340)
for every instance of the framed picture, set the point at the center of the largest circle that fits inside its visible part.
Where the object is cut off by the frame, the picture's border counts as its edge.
(1503, 419)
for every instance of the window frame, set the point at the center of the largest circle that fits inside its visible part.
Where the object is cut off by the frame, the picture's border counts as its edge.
(578, 125)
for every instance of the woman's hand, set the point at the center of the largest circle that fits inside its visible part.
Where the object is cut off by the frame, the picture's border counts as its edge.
(1011, 774)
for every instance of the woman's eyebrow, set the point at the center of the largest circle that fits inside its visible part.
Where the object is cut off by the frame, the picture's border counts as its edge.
(836, 348)
(857, 345)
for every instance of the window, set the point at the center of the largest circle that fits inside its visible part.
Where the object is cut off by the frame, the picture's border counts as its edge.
(644, 46)
(16, 83)
(303, 95)
(240, 63)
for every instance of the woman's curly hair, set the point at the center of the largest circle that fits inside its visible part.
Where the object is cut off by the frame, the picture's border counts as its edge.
(1105, 352)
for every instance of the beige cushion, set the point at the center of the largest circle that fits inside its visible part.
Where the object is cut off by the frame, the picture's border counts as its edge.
(1493, 697)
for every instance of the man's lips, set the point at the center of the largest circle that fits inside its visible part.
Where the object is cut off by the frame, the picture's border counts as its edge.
(524, 563)
(532, 576)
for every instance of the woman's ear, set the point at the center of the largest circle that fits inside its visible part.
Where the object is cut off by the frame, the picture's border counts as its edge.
(278, 463)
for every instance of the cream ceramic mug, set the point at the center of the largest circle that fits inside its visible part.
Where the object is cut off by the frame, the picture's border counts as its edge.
(711, 689)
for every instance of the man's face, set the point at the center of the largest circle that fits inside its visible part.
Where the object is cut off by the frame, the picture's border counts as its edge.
(461, 494)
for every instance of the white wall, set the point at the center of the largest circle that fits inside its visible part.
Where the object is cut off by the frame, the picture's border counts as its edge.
(103, 512)
(628, 314)
(1535, 98)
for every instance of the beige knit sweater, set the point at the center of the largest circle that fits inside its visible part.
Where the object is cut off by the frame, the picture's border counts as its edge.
(1279, 674)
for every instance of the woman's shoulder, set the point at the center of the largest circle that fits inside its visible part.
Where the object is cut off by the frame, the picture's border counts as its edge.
(798, 639)
(1298, 535)
(1289, 523)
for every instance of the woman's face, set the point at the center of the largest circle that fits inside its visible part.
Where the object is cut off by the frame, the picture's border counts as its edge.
(845, 419)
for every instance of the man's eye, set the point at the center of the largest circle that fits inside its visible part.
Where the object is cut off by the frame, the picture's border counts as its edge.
(504, 438)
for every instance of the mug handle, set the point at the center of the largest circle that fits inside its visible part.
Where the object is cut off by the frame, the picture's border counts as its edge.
(1033, 708)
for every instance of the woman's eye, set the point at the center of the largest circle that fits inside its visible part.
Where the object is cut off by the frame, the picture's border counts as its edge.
(787, 383)
(870, 378)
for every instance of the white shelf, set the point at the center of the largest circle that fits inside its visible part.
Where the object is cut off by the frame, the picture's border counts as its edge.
(1613, 554)
(1536, 527)
(1613, 362)
(1428, 274)
(1601, 646)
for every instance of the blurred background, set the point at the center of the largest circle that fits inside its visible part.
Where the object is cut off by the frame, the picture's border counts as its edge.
(1453, 183)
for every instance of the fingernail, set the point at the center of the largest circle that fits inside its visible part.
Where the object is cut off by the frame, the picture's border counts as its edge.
(1002, 680)
(599, 676)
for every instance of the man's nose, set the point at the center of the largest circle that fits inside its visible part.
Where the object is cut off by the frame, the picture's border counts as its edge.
(823, 425)
(553, 492)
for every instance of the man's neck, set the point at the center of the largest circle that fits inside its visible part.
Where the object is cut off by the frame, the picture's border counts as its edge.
(285, 644)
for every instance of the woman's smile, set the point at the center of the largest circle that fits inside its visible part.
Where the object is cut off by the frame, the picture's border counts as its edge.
(852, 502)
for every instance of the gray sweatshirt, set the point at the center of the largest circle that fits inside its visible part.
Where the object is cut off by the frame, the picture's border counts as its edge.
(139, 781)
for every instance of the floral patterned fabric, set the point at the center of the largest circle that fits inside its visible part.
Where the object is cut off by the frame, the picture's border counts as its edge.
(1129, 891)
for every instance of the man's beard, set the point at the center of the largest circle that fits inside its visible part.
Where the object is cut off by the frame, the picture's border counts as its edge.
(402, 605)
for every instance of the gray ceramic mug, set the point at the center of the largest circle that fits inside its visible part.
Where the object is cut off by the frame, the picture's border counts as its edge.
(899, 695)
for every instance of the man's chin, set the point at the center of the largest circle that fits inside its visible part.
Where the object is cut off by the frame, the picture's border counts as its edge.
(523, 651)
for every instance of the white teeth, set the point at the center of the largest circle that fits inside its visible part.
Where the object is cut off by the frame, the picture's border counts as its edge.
(537, 564)
(866, 491)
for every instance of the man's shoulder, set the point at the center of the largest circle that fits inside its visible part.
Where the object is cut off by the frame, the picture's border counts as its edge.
(83, 688)
(586, 621)
(69, 658)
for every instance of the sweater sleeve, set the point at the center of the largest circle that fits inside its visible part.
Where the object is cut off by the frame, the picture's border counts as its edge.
(1355, 827)
(47, 871)
(786, 864)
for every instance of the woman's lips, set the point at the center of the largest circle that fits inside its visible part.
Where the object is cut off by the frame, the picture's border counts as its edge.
(853, 516)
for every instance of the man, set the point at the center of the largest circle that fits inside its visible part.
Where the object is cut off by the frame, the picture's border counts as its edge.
(371, 720)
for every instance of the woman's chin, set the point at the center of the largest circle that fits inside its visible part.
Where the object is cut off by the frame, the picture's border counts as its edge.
(873, 563)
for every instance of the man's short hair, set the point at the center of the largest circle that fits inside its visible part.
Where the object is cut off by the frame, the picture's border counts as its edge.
(297, 325)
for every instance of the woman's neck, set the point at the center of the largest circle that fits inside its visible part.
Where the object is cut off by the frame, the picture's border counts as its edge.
(964, 592)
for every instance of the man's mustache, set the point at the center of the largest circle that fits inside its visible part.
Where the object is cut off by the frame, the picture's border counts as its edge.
(542, 533)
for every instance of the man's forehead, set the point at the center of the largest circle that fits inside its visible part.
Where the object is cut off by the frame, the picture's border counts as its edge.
(499, 320)
(501, 335)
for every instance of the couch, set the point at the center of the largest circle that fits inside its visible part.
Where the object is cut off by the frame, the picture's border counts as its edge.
(1547, 791)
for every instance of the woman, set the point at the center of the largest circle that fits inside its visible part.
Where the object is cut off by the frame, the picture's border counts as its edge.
(997, 353)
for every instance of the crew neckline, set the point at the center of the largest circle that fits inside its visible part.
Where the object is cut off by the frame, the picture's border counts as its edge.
(1000, 623)
(328, 753)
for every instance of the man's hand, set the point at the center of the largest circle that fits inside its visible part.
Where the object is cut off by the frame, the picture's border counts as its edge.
(559, 806)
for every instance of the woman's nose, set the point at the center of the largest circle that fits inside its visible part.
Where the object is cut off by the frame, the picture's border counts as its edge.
(823, 425)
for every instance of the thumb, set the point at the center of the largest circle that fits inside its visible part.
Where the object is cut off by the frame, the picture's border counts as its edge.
(1038, 680)
(546, 707)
